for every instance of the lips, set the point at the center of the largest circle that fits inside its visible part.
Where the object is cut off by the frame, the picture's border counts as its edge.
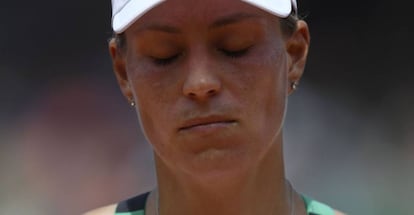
(206, 122)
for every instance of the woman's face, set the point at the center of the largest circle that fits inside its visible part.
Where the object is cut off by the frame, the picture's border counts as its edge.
(210, 83)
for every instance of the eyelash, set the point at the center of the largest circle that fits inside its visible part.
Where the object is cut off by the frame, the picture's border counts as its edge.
(169, 60)
(235, 54)
(165, 61)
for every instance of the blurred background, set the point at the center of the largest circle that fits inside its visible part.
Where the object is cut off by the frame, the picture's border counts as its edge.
(69, 141)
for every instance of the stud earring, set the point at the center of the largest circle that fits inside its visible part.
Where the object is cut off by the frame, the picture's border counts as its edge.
(132, 103)
(294, 85)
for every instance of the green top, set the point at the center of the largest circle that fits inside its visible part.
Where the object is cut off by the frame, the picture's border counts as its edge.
(316, 208)
(140, 212)
(136, 206)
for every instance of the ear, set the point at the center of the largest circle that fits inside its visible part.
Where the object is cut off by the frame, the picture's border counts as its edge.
(297, 46)
(119, 67)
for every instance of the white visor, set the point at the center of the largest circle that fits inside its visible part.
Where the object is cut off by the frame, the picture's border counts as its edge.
(126, 12)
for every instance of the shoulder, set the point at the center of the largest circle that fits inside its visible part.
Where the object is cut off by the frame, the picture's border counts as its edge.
(134, 204)
(106, 210)
(314, 207)
(338, 213)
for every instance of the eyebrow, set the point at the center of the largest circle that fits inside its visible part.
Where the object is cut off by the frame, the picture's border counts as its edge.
(233, 18)
(159, 27)
(226, 20)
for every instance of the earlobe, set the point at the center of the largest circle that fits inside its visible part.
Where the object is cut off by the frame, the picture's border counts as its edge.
(119, 67)
(297, 46)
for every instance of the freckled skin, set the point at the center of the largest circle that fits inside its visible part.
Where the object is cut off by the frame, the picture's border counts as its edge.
(238, 72)
(251, 89)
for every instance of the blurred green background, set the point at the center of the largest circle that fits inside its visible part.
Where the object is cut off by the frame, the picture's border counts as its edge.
(69, 141)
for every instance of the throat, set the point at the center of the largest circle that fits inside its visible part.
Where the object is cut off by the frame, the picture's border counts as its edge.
(258, 189)
(240, 200)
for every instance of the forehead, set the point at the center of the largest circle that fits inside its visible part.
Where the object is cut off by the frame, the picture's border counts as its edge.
(198, 12)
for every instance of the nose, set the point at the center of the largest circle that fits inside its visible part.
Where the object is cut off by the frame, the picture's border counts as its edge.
(201, 82)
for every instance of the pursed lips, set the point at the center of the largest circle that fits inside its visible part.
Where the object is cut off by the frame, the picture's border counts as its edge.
(200, 122)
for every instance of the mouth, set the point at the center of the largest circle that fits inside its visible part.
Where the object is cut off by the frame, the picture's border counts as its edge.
(207, 123)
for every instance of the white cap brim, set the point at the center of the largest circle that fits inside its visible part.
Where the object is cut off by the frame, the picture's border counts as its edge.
(126, 12)
(280, 8)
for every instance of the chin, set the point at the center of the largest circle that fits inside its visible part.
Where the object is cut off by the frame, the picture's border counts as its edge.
(213, 165)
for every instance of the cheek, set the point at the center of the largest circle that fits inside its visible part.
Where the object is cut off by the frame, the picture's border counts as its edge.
(153, 96)
(265, 83)
(274, 87)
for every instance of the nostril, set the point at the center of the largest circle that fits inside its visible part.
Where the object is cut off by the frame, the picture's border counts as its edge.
(211, 92)
(208, 93)
(202, 94)
(192, 95)
(201, 88)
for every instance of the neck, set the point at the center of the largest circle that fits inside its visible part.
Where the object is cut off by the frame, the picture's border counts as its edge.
(261, 190)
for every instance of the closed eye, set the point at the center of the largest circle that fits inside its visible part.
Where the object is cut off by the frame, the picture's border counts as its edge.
(235, 54)
(165, 61)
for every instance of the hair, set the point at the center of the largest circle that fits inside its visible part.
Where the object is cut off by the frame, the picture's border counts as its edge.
(288, 26)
